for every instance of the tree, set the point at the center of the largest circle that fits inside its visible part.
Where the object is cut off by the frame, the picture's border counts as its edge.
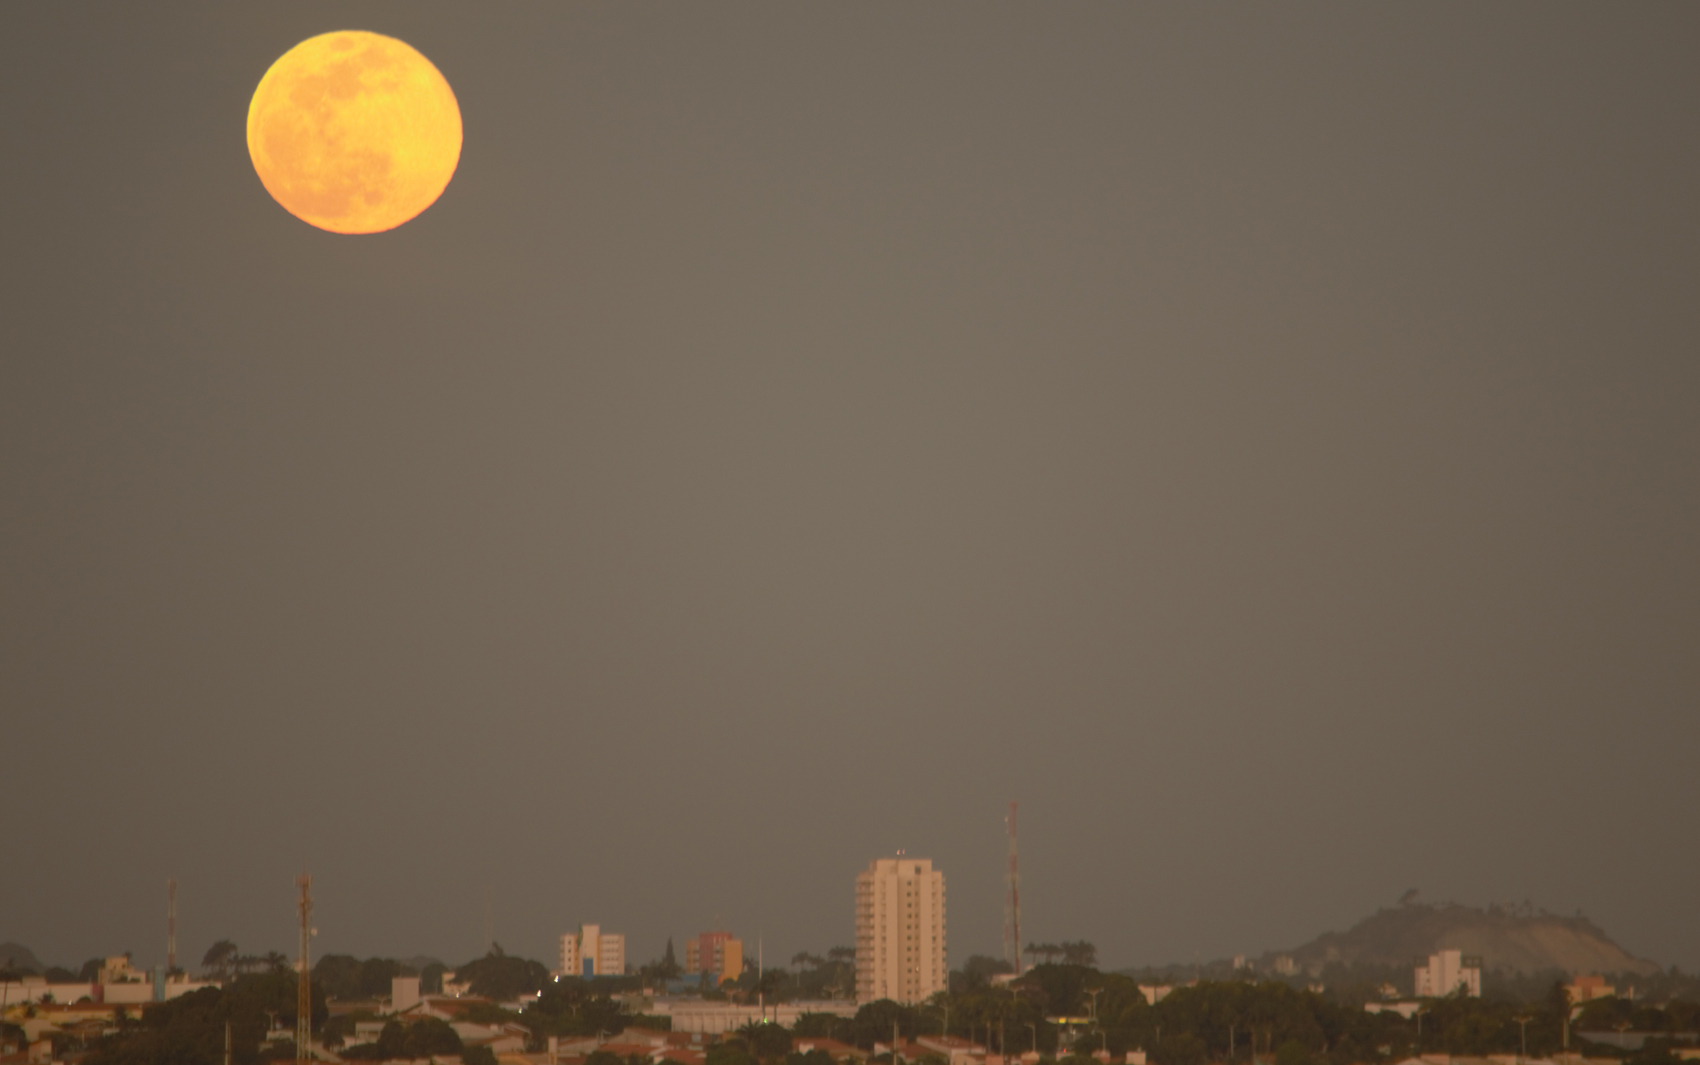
(978, 970)
(431, 978)
(1182, 1049)
(345, 977)
(875, 1022)
(501, 977)
(1080, 952)
(336, 1031)
(818, 1026)
(1293, 1052)
(727, 1052)
(189, 1030)
(1048, 951)
(766, 1042)
(420, 1039)
(219, 956)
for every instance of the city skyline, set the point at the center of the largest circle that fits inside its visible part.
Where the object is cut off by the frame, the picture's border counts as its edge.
(1262, 442)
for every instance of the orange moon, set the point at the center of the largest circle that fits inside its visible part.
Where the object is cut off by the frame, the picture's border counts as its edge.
(354, 132)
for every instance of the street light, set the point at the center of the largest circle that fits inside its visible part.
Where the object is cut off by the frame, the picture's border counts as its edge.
(1523, 1023)
(1035, 1030)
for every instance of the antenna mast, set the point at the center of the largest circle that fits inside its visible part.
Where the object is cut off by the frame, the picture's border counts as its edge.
(170, 927)
(304, 999)
(1012, 902)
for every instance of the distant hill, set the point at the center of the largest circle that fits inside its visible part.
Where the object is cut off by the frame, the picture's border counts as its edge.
(18, 956)
(1518, 939)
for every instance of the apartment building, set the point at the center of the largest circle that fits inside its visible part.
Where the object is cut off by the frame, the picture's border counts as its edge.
(593, 952)
(1446, 972)
(900, 931)
(719, 953)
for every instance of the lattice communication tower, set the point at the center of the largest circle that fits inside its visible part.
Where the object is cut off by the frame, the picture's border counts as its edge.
(304, 997)
(1012, 902)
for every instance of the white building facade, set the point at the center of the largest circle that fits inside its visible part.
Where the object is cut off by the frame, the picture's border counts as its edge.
(900, 931)
(592, 952)
(1448, 971)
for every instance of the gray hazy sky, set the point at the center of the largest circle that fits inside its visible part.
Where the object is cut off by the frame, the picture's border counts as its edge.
(1262, 440)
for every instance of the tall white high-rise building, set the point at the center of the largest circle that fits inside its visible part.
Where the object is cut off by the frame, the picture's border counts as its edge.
(900, 945)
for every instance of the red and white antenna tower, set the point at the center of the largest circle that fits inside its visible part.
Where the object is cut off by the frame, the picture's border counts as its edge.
(304, 996)
(1012, 902)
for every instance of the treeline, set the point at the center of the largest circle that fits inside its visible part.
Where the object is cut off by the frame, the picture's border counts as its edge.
(190, 1029)
(1269, 1023)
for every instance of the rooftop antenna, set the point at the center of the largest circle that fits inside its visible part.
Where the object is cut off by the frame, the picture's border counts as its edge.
(304, 997)
(170, 927)
(1012, 901)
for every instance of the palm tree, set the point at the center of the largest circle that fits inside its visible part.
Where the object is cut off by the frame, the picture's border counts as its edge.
(219, 957)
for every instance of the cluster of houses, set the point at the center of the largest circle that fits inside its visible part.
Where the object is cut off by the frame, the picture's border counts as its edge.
(81, 1013)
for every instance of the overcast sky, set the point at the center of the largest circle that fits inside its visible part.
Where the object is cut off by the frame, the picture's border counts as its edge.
(1262, 440)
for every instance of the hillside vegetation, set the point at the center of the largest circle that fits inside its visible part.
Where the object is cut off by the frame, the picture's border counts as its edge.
(1518, 939)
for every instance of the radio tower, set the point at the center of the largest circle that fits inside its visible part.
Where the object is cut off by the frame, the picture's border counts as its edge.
(170, 927)
(1012, 902)
(304, 998)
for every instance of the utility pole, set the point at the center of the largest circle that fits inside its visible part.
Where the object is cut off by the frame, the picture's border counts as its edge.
(226, 1043)
(304, 997)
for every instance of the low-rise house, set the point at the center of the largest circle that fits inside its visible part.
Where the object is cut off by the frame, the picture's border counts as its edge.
(832, 1047)
(500, 1038)
(954, 1049)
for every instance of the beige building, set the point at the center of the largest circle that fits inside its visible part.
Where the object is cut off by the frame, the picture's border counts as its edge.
(900, 942)
(592, 952)
(1448, 971)
(1588, 988)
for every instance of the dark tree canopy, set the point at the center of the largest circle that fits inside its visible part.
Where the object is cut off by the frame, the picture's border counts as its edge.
(345, 977)
(502, 977)
(421, 1039)
(190, 1030)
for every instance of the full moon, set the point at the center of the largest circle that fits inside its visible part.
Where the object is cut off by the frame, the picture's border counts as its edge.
(354, 132)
